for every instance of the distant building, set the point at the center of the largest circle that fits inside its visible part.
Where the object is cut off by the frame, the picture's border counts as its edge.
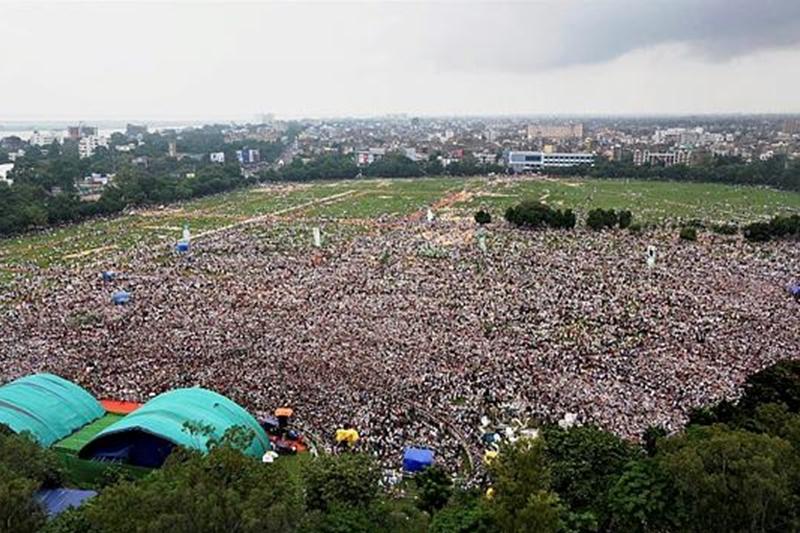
(13, 156)
(88, 145)
(524, 161)
(248, 156)
(173, 149)
(76, 133)
(5, 168)
(135, 130)
(555, 131)
(217, 157)
(791, 126)
(39, 138)
(369, 156)
(666, 159)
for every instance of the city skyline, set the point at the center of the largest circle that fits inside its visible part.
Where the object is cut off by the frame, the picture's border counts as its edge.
(213, 61)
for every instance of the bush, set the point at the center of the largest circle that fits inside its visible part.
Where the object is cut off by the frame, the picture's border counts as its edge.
(625, 219)
(635, 228)
(725, 229)
(688, 234)
(599, 219)
(531, 214)
(777, 228)
(483, 217)
(757, 232)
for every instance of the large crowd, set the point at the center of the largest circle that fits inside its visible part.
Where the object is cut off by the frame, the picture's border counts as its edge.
(412, 347)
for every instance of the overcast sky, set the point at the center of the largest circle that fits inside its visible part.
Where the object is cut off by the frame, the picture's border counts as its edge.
(232, 61)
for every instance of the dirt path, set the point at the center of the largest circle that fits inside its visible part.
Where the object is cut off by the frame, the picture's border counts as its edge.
(443, 203)
(84, 253)
(275, 214)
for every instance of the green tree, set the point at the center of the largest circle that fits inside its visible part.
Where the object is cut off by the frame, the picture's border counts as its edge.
(521, 483)
(434, 488)
(349, 479)
(585, 463)
(733, 480)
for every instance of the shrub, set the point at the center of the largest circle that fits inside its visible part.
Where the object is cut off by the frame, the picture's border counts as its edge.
(777, 228)
(625, 219)
(531, 214)
(757, 232)
(688, 234)
(725, 229)
(635, 228)
(483, 217)
(599, 219)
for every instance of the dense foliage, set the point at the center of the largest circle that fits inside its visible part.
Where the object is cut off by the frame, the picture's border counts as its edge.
(483, 217)
(688, 233)
(532, 214)
(599, 219)
(780, 227)
(24, 469)
(778, 172)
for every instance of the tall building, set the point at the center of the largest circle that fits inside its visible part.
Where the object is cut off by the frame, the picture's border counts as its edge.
(39, 138)
(89, 144)
(76, 133)
(135, 130)
(555, 131)
(523, 161)
(248, 156)
(173, 148)
(666, 159)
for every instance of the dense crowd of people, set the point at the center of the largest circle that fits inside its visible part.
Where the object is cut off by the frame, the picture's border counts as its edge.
(413, 348)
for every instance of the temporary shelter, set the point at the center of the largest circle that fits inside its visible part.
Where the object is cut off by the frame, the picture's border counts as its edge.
(47, 406)
(121, 297)
(416, 459)
(148, 435)
(182, 246)
(56, 501)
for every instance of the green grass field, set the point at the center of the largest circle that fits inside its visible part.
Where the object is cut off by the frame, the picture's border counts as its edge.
(650, 201)
(330, 203)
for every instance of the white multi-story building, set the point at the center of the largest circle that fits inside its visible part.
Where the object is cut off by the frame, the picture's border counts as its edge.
(42, 138)
(89, 144)
(5, 168)
(555, 131)
(369, 156)
(667, 159)
(217, 157)
(523, 161)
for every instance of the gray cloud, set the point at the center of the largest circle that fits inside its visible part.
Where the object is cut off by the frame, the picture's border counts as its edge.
(526, 37)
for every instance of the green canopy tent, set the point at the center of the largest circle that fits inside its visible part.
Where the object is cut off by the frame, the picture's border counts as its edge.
(147, 436)
(47, 406)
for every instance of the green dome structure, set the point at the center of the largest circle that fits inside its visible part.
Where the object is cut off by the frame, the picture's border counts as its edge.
(47, 407)
(148, 435)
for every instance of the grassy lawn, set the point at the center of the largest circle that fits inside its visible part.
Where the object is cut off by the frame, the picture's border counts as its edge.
(370, 199)
(650, 201)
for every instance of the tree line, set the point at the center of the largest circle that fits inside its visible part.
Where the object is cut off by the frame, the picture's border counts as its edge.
(779, 172)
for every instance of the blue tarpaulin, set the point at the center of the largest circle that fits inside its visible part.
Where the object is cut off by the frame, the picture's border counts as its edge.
(121, 297)
(795, 290)
(416, 459)
(109, 275)
(56, 501)
(182, 246)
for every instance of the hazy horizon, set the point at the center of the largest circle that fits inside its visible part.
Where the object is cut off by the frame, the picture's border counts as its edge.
(229, 62)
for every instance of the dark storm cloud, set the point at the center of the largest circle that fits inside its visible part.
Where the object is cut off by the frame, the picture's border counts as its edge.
(526, 37)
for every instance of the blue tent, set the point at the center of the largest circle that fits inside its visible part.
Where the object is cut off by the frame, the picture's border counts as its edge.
(416, 459)
(56, 501)
(121, 297)
(795, 290)
(182, 246)
(108, 275)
